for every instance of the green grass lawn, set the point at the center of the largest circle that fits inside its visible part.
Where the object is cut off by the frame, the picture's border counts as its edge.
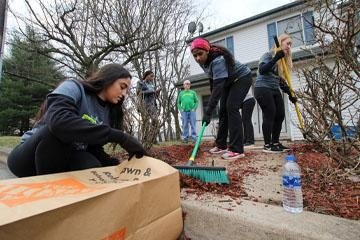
(12, 141)
(9, 141)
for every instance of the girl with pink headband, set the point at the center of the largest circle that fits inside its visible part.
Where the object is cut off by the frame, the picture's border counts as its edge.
(229, 81)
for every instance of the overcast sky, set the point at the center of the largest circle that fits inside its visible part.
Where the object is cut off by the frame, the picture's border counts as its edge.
(218, 12)
(224, 12)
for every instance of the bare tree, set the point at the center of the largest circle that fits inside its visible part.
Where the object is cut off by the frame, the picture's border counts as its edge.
(170, 66)
(86, 32)
(144, 34)
(331, 95)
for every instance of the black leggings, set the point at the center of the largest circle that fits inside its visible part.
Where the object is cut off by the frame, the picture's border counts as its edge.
(229, 115)
(273, 111)
(246, 112)
(43, 153)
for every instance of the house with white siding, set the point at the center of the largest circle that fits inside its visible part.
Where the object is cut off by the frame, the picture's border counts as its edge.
(248, 40)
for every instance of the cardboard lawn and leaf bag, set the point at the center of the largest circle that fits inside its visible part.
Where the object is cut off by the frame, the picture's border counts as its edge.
(138, 199)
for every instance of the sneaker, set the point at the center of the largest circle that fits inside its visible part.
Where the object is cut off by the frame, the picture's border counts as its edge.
(282, 147)
(229, 155)
(216, 150)
(270, 148)
(184, 140)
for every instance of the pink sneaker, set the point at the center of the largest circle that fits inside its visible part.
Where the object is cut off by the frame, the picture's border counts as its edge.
(229, 155)
(216, 150)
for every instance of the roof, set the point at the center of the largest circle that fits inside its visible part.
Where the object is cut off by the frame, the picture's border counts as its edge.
(250, 19)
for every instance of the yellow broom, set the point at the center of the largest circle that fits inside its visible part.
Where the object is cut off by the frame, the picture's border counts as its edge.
(288, 80)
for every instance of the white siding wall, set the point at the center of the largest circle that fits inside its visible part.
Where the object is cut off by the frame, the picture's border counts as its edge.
(194, 67)
(293, 121)
(251, 40)
(210, 131)
(250, 43)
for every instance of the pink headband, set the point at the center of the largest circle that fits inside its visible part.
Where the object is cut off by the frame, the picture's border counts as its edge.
(200, 43)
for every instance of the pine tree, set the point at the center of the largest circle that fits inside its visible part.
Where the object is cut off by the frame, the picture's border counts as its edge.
(28, 77)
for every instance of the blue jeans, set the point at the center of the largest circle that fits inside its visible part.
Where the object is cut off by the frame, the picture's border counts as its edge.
(188, 118)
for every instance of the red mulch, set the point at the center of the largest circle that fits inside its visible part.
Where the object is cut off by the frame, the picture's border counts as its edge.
(179, 155)
(326, 188)
(332, 195)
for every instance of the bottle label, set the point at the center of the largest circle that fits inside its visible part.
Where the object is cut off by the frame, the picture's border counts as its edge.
(291, 181)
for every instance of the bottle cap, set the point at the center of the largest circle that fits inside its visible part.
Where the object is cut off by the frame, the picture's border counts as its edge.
(290, 158)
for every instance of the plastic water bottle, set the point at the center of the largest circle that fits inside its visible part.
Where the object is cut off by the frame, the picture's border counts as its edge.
(292, 193)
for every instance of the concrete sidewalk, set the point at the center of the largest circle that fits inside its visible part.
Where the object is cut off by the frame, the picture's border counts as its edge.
(211, 217)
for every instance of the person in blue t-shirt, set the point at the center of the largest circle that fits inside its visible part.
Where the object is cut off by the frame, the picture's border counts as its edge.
(229, 82)
(269, 79)
(79, 117)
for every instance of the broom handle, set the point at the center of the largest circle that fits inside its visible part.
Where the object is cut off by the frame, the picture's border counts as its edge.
(288, 80)
(197, 144)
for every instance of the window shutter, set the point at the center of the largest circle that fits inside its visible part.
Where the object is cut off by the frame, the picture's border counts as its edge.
(271, 31)
(308, 21)
(230, 44)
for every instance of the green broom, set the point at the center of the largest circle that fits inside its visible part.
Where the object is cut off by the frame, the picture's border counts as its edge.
(205, 174)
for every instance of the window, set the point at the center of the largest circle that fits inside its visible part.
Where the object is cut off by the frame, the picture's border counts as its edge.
(205, 101)
(293, 27)
(227, 42)
(299, 27)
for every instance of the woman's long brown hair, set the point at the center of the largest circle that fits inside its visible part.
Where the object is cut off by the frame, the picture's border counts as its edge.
(98, 81)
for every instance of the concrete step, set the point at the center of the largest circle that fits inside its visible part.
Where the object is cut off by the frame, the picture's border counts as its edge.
(208, 216)
(214, 218)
